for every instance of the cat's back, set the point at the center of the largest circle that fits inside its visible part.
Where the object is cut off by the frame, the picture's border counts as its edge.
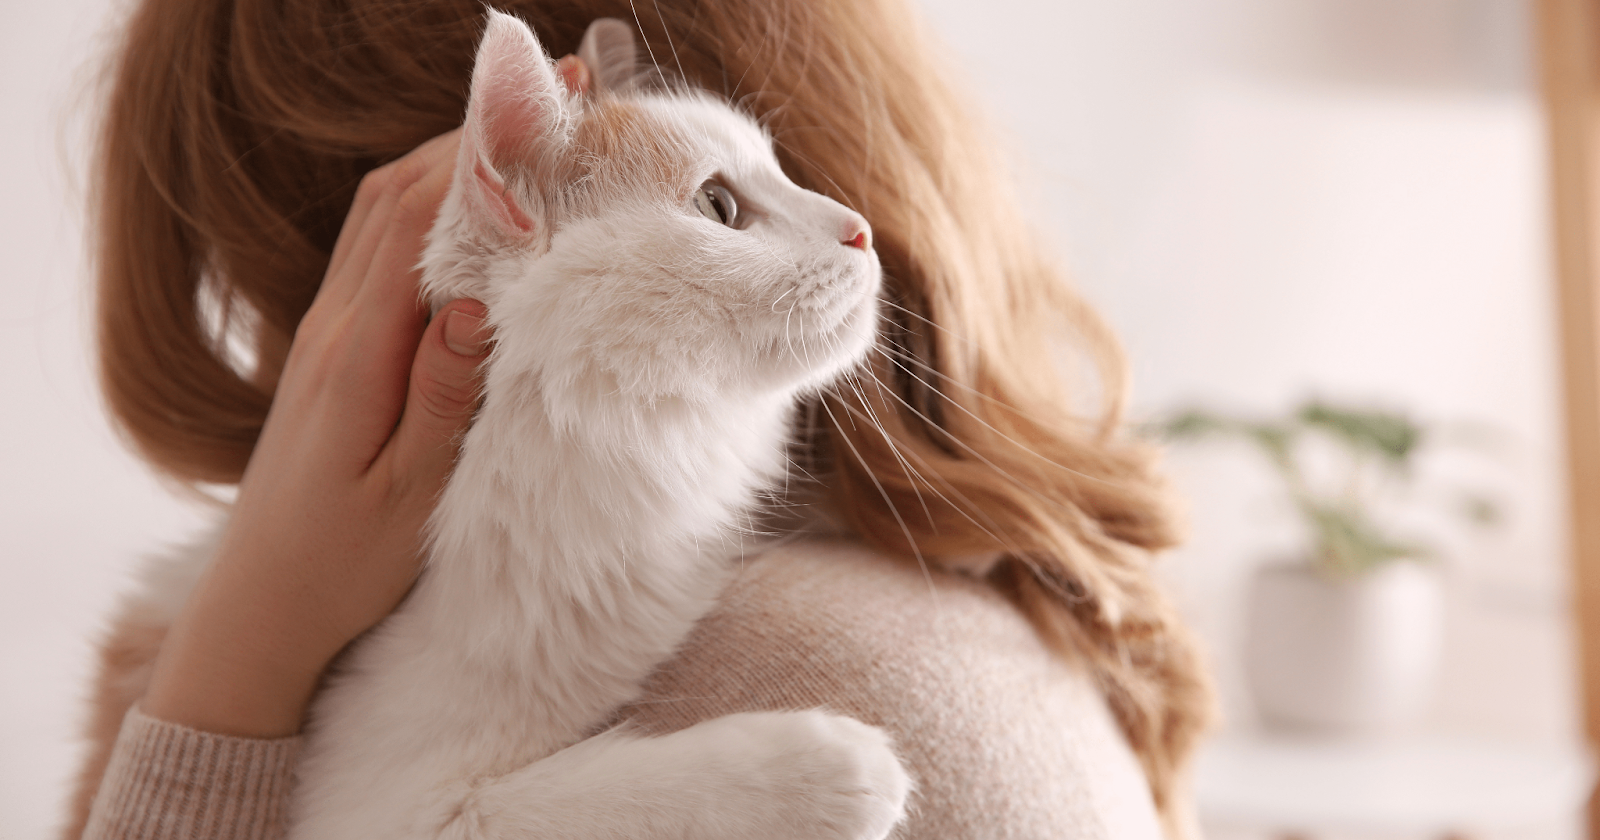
(1003, 737)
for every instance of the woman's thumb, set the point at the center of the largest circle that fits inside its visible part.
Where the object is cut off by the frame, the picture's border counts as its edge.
(446, 382)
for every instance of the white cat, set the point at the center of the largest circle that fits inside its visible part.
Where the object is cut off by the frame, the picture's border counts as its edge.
(661, 295)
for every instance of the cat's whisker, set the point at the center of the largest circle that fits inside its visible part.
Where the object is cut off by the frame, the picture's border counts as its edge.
(911, 357)
(987, 425)
(907, 356)
(967, 505)
(772, 113)
(911, 541)
(867, 144)
(924, 319)
(805, 473)
(682, 76)
(739, 103)
(778, 37)
(804, 357)
(992, 528)
(1019, 484)
(855, 385)
(646, 41)
(788, 337)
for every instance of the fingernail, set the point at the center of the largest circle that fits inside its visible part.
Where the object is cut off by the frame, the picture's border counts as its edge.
(464, 333)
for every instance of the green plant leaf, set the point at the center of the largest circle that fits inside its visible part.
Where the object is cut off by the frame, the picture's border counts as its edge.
(1389, 435)
(1277, 441)
(1346, 537)
(1195, 423)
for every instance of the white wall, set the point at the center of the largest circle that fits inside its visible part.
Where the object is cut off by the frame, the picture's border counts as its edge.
(1266, 198)
(1272, 199)
(75, 510)
(1277, 198)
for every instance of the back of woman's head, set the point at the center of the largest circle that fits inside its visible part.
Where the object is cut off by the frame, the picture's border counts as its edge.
(237, 133)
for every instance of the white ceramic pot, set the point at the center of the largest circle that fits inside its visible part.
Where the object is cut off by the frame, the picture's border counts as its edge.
(1349, 656)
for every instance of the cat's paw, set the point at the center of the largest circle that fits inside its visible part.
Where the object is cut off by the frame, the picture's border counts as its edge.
(819, 775)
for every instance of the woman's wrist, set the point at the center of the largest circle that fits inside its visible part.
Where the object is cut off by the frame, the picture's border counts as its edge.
(214, 691)
(233, 664)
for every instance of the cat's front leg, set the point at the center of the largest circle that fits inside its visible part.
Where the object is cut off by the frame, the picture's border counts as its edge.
(774, 775)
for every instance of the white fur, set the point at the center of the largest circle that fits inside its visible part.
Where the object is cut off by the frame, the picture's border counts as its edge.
(638, 401)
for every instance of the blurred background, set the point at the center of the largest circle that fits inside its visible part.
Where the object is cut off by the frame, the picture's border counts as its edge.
(1270, 200)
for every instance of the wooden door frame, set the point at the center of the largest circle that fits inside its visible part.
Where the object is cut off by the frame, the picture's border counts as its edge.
(1569, 65)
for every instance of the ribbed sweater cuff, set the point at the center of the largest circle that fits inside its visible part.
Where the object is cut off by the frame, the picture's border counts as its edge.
(170, 782)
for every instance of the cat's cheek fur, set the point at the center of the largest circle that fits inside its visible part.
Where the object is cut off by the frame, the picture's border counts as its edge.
(663, 311)
(655, 317)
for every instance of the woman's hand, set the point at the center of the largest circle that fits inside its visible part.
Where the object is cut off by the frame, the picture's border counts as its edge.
(325, 538)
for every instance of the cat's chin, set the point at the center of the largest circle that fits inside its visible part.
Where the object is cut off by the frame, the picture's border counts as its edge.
(815, 360)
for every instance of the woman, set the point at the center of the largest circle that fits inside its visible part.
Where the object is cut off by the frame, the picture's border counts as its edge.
(986, 594)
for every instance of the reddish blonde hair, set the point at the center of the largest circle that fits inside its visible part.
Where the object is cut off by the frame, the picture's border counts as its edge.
(236, 135)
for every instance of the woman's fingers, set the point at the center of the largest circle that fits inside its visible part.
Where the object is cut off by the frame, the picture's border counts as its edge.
(446, 381)
(367, 323)
(392, 276)
(386, 317)
(377, 199)
(372, 387)
(366, 197)
(363, 227)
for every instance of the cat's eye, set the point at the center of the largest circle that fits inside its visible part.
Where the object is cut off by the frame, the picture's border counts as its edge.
(716, 204)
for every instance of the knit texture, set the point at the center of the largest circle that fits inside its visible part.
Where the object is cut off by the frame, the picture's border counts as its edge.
(169, 782)
(1004, 739)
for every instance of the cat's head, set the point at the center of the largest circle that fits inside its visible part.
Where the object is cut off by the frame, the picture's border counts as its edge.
(642, 241)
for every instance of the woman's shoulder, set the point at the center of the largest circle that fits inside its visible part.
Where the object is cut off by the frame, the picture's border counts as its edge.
(1004, 737)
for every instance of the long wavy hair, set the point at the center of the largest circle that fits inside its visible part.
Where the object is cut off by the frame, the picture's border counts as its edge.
(236, 135)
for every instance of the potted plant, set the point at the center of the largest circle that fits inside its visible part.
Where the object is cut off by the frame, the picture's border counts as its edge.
(1346, 637)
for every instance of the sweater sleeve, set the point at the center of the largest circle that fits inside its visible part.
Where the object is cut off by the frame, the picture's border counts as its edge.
(169, 782)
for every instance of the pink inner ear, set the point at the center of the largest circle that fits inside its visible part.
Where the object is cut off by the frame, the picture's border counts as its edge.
(516, 107)
(499, 199)
(513, 110)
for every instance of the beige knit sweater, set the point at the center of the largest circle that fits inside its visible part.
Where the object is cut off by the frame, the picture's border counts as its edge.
(1003, 739)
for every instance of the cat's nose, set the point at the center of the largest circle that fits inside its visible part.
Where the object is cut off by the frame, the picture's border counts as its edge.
(857, 233)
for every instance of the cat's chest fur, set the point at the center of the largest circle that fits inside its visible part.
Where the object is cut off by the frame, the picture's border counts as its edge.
(581, 556)
(565, 567)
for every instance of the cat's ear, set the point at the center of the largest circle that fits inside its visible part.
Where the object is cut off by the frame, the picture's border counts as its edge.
(517, 116)
(610, 53)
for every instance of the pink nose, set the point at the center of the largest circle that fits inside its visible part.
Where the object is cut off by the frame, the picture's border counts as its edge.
(857, 234)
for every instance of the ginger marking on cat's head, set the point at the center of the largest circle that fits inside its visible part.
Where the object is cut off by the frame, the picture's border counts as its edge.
(574, 217)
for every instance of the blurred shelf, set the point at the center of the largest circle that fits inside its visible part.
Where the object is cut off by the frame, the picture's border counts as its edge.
(1422, 787)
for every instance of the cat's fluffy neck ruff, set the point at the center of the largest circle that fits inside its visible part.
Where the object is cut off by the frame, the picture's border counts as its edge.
(572, 519)
(608, 540)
